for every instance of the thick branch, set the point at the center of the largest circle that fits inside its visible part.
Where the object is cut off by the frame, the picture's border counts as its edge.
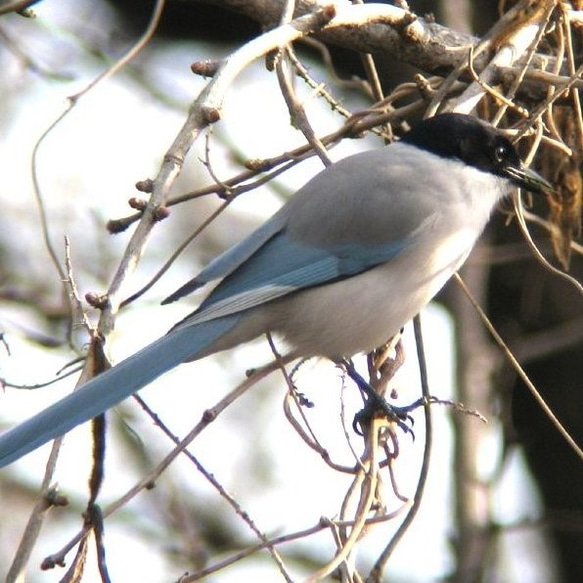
(426, 45)
(429, 46)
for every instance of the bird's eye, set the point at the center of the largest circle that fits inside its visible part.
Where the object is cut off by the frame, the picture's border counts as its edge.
(500, 154)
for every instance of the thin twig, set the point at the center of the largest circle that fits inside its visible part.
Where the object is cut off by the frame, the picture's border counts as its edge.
(208, 417)
(369, 480)
(176, 253)
(205, 111)
(310, 440)
(506, 102)
(133, 52)
(296, 110)
(518, 368)
(323, 524)
(532, 218)
(539, 256)
(380, 565)
(223, 493)
(6, 383)
(524, 68)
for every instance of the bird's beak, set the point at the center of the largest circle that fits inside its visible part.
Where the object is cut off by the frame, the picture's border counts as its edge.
(528, 179)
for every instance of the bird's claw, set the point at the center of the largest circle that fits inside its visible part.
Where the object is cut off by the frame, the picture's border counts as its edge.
(375, 404)
(399, 415)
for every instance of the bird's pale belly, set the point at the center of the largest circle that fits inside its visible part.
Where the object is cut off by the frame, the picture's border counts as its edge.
(361, 313)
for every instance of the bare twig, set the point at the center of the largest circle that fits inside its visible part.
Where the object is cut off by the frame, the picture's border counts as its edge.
(208, 417)
(323, 524)
(512, 35)
(243, 514)
(6, 383)
(203, 112)
(296, 110)
(368, 477)
(380, 565)
(520, 371)
(539, 256)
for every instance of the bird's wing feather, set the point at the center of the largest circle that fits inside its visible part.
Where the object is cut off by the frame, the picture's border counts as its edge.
(290, 252)
(378, 209)
(282, 266)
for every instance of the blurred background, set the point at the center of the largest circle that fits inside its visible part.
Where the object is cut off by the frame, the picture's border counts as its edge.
(503, 501)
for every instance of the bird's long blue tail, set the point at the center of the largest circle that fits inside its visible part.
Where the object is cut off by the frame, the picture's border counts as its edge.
(111, 387)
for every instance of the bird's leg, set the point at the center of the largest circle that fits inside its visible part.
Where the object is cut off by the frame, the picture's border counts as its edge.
(375, 403)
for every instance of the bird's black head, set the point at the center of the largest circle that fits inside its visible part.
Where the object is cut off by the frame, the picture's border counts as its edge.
(476, 143)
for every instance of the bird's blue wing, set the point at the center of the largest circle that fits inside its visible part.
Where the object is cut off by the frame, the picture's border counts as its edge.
(282, 266)
(340, 223)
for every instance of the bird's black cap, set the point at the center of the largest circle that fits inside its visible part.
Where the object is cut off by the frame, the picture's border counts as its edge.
(476, 143)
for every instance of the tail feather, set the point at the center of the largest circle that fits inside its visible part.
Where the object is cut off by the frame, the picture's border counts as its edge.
(111, 387)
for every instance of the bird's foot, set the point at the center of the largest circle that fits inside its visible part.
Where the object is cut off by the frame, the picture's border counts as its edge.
(399, 415)
(375, 403)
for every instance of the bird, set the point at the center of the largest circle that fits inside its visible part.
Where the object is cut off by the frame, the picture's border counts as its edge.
(354, 255)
